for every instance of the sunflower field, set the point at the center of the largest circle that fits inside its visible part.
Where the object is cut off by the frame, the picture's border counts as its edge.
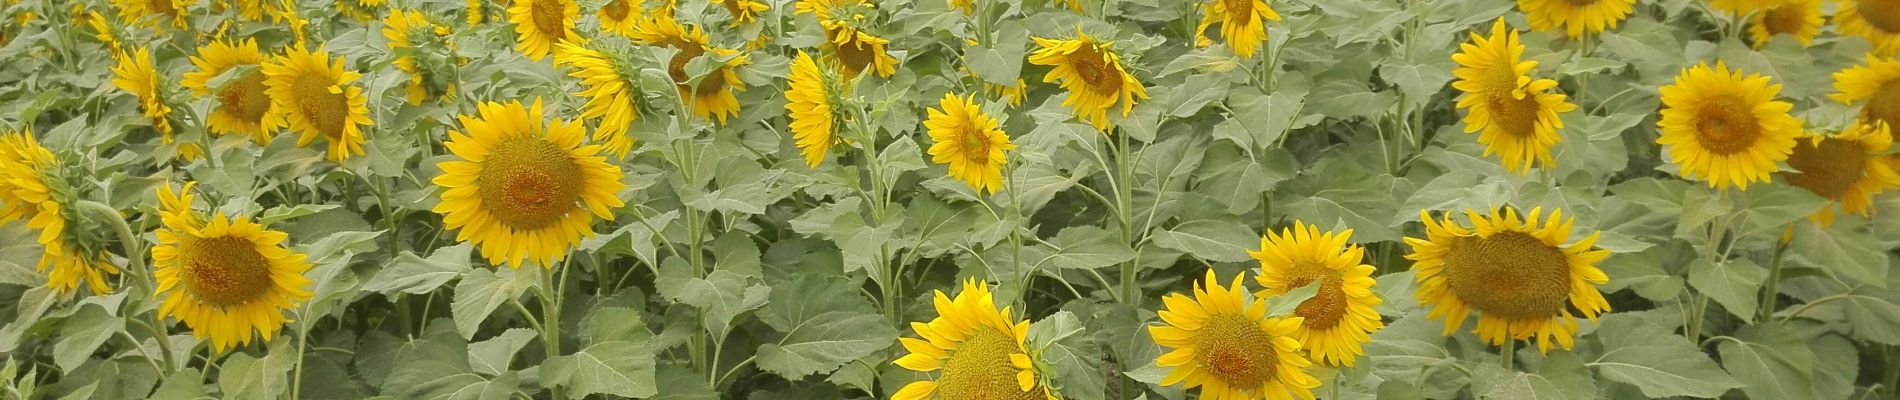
(949, 199)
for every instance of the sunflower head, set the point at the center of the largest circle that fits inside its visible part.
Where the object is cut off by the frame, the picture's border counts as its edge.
(136, 74)
(976, 351)
(856, 51)
(967, 139)
(412, 36)
(1800, 19)
(523, 188)
(611, 91)
(153, 13)
(1519, 274)
(743, 11)
(1092, 73)
(618, 16)
(1878, 21)
(243, 107)
(1339, 318)
(33, 188)
(1242, 24)
(318, 99)
(1874, 86)
(1724, 127)
(540, 24)
(1222, 340)
(815, 103)
(1576, 17)
(226, 278)
(1846, 168)
(1516, 114)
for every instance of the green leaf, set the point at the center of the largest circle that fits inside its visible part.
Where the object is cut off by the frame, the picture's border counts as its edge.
(1285, 304)
(1223, 241)
(1770, 208)
(1088, 247)
(245, 377)
(1004, 63)
(1268, 117)
(1239, 179)
(1644, 272)
(1197, 92)
(186, 384)
(338, 245)
(280, 213)
(1062, 342)
(1733, 285)
(1852, 256)
(412, 274)
(1871, 318)
(1419, 82)
(83, 333)
(1773, 359)
(681, 383)
(493, 356)
(1657, 361)
(826, 324)
(722, 295)
(437, 367)
(617, 367)
(483, 290)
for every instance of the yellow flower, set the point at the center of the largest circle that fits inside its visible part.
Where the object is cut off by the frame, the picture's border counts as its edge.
(618, 16)
(1875, 87)
(1575, 17)
(976, 351)
(812, 102)
(1073, 5)
(317, 98)
(254, 10)
(1878, 21)
(1093, 75)
(226, 278)
(966, 139)
(612, 97)
(743, 11)
(856, 52)
(1222, 340)
(287, 13)
(712, 98)
(1242, 24)
(1743, 7)
(1339, 318)
(1517, 113)
(1015, 93)
(1517, 274)
(1847, 169)
(402, 28)
(1724, 127)
(543, 23)
(359, 10)
(103, 32)
(28, 192)
(243, 107)
(135, 74)
(967, 6)
(523, 188)
(137, 12)
(475, 12)
(1798, 18)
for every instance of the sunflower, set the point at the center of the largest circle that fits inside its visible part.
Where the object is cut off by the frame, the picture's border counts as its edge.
(612, 96)
(1878, 21)
(1517, 113)
(359, 10)
(1015, 93)
(1223, 341)
(1743, 7)
(976, 351)
(1874, 86)
(813, 104)
(524, 188)
(1093, 75)
(966, 6)
(1800, 19)
(404, 30)
(137, 12)
(1339, 318)
(1725, 127)
(1846, 168)
(287, 13)
(103, 32)
(543, 23)
(1242, 24)
(243, 108)
(29, 191)
(1072, 5)
(224, 277)
(1517, 274)
(618, 16)
(315, 95)
(967, 140)
(1576, 17)
(743, 11)
(135, 74)
(713, 96)
(856, 51)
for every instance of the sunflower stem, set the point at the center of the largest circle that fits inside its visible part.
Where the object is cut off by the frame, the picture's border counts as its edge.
(1124, 170)
(1508, 354)
(134, 265)
(1771, 289)
(550, 295)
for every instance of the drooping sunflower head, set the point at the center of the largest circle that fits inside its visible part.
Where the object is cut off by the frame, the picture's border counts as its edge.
(977, 351)
(229, 279)
(712, 97)
(1222, 340)
(1846, 168)
(967, 6)
(1576, 17)
(33, 189)
(1724, 127)
(618, 16)
(1339, 318)
(1516, 114)
(542, 23)
(1874, 86)
(243, 107)
(318, 99)
(1014, 93)
(104, 32)
(153, 12)
(612, 94)
(967, 139)
(1092, 73)
(1878, 21)
(411, 34)
(814, 102)
(135, 74)
(1519, 274)
(1242, 24)
(1744, 7)
(359, 10)
(524, 188)
(743, 11)
(856, 51)
(1800, 19)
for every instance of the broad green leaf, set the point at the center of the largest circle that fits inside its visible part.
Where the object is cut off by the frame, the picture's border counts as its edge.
(1734, 284)
(1419, 82)
(722, 295)
(1852, 256)
(1239, 179)
(618, 368)
(1282, 305)
(280, 213)
(1645, 274)
(1223, 241)
(245, 377)
(1063, 343)
(1658, 361)
(1774, 361)
(1196, 93)
(493, 356)
(412, 274)
(1268, 116)
(1088, 247)
(83, 333)
(483, 290)
(826, 323)
(437, 367)
(682, 383)
(186, 384)
(1770, 208)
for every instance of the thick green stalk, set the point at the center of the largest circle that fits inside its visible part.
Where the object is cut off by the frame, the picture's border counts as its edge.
(135, 265)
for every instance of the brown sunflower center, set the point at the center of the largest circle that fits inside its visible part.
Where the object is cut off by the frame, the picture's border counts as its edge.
(1787, 18)
(1726, 125)
(1092, 65)
(616, 10)
(327, 111)
(856, 56)
(1328, 306)
(735, 8)
(1239, 8)
(1582, 3)
(1517, 117)
(225, 271)
(1235, 349)
(1829, 169)
(550, 17)
(1510, 274)
(1884, 105)
(712, 84)
(979, 369)
(975, 142)
(162, 7)
(245, 98)
(529, 183)
(677, 66)
(1882, 14)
